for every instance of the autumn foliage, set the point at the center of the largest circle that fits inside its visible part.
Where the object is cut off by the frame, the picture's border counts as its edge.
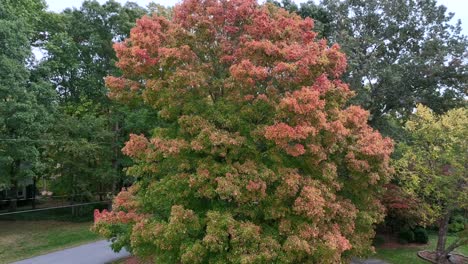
(259, 159)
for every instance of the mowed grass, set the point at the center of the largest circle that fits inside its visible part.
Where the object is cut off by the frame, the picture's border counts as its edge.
(25, 239)
(408, 255)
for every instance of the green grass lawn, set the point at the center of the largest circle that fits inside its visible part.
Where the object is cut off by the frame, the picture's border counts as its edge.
(24, 239)
(407, 255)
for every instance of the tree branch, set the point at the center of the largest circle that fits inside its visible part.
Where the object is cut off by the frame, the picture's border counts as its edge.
(459, 242)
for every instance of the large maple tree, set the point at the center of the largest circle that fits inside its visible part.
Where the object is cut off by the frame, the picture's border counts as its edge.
(259, 159)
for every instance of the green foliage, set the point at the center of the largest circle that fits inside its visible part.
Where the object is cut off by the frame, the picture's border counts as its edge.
(457, 223)
(417, 235)
(258, 158)
(433, 166)
(378, 241)
(406, 236)
(89, 130)
(321, 16)
(25, 103)
(79, 47)
(421, 236)
(78, 157)
(28, 11)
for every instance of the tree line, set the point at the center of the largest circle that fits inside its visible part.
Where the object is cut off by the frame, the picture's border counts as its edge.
(56, 119)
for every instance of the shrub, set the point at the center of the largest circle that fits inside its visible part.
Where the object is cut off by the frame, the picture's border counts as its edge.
(420, 235)
(457, 224)
(406, 236)
(378, 241)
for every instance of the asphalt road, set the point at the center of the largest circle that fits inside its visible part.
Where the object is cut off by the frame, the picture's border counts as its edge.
(94, 253)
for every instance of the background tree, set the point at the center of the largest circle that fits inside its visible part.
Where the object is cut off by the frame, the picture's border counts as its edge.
(25, 103)
(79, 156)
(400, 53)
(321, 16)
(78, 47)
(258, 159)
(433, 167)
(78, 55)
(404, 211)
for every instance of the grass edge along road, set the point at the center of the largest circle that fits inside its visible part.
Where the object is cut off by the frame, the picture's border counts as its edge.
(24, 239)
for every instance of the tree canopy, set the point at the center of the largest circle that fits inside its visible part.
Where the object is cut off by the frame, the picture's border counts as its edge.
(433, 167)
(259, 159)
(400, 53)
(88, 130)
(24, 103)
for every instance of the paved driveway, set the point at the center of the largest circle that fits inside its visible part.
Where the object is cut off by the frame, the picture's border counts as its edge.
(94, 253)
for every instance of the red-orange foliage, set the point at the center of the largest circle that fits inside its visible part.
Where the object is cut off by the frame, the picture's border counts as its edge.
(259, 160)
(404, 210)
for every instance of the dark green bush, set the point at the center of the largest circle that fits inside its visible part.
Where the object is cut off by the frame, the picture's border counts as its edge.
(402, 241)
(421, 236)
(405, 236)
(378, 241)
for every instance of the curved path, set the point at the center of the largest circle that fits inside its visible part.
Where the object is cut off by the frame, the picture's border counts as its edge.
(94, 253)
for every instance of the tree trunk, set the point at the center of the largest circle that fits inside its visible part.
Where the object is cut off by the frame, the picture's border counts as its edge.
(73, 208)
(14, 197)
(441, 253)
(33, 202)
(14, 182)
(115, 163)
(100, 191)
